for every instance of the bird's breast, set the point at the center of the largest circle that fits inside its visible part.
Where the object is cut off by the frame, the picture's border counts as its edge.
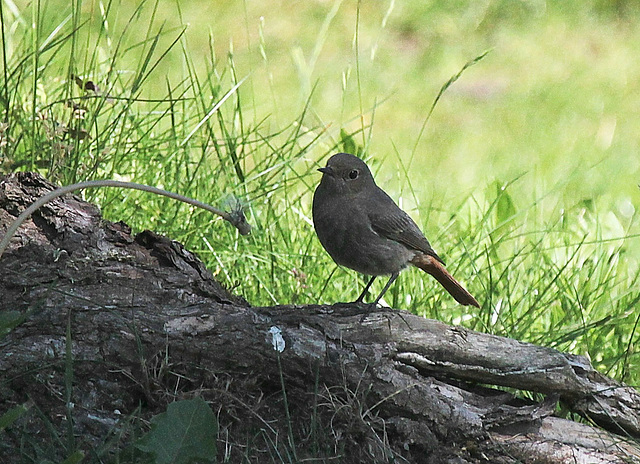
(346, 234)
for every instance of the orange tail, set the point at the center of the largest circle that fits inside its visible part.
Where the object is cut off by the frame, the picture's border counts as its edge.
(432, 266)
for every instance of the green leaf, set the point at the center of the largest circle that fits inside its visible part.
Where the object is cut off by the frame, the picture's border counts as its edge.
(12, 415)
(9, 320)
(349, 145)
(186, 433)
(74, 458)
(505, 209)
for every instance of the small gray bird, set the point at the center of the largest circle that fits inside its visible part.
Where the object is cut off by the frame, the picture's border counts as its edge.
(363, 229)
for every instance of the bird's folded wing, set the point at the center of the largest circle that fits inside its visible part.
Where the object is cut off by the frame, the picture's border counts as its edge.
(398, 226)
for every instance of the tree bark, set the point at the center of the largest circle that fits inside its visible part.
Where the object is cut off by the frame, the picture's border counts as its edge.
(148, 323)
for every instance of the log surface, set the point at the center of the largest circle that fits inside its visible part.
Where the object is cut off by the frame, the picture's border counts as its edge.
(146, 317)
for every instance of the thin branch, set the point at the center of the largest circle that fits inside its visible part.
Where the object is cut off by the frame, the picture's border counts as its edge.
(235, 217)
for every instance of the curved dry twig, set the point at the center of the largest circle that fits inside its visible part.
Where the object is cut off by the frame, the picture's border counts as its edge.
(235, 217)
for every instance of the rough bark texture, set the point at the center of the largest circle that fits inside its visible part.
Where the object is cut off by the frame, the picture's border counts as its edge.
(148, 324)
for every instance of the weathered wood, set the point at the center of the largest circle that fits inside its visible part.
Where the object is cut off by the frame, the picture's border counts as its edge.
(146, 318)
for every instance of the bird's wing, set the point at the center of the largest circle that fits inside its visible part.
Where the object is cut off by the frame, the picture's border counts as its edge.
(391, 222)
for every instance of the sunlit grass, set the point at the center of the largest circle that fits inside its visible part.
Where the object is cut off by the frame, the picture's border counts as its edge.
(524, 178)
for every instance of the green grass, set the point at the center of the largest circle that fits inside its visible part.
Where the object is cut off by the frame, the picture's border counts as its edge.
(524, 178)
(558, 139)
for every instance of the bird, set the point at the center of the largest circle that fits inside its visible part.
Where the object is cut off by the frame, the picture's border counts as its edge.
(363, 229)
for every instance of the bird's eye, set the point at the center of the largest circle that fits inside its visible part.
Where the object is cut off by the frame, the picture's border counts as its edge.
(353, 174)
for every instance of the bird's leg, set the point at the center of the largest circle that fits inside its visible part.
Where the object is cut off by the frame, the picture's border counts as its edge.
(364, 292)
(373, 305)
(393, 277)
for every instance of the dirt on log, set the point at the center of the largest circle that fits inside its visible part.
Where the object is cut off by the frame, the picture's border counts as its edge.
(149, 324)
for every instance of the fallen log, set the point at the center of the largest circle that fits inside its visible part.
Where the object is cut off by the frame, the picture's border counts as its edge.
(142, 322)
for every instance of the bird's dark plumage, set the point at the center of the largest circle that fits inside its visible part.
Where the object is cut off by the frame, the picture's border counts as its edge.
(363, 229)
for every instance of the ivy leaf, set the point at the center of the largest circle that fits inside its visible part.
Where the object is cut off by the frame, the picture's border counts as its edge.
(184, 434)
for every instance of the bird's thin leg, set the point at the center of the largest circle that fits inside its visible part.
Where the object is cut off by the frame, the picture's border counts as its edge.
(393, 277)
(364, 292)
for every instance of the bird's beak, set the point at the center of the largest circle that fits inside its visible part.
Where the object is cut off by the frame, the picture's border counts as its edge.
(326, 170)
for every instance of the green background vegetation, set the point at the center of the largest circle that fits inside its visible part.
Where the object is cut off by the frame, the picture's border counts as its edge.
(524, 178)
